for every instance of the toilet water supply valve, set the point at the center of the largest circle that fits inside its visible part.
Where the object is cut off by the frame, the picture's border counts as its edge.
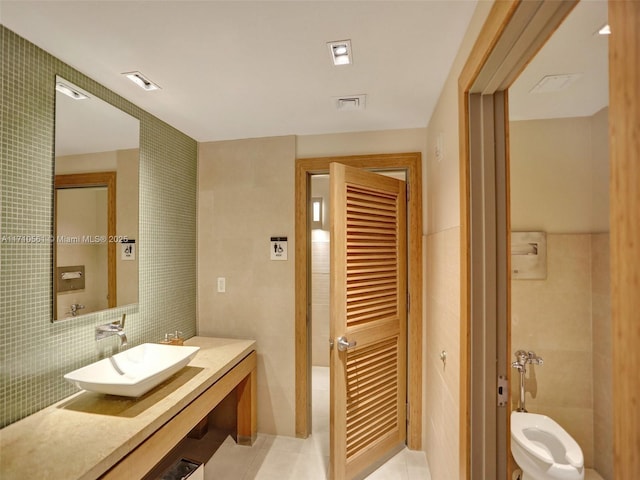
(522, 359)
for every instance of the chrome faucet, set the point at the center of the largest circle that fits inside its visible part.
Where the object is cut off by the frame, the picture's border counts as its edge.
(74, 309)
(534, 359)
(113, 328)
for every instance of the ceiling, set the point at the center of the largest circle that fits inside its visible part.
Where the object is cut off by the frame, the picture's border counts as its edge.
(78, 130)
(242, 69)
(574, 48)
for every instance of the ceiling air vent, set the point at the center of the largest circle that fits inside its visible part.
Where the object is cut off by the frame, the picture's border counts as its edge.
(351, 102)
(555, 83)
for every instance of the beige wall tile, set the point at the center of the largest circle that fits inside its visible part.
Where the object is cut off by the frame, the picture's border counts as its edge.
(442, 334)
(441, 220)
(246, 196)
(320, 334)
(602, 352)
(553, 318)
(565, 380)
(603, 416)
(578, 423)
(556, 313)
(566, 320)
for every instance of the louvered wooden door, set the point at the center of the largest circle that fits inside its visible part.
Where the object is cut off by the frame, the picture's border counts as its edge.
(368, 320)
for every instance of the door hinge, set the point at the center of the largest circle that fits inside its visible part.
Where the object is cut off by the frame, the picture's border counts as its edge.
(408, 192)
(406, 413)
(503, 391)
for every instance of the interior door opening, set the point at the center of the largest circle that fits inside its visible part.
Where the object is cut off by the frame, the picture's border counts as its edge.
(319, 307)
(305, 169)
(499, 57)
(368, 304)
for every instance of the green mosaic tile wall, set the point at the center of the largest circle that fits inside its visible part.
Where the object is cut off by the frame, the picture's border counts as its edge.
(35, 353)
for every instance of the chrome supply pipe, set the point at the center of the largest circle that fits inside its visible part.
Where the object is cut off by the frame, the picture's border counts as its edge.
(522, 358)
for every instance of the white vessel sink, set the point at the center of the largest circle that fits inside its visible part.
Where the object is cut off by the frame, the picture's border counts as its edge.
(134, 372)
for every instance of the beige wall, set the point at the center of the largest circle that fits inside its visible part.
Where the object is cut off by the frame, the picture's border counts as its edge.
(559, 184)
(566, 320)
(559, 174)
(320, 284)
(441, 407)
(82, 212)
(553, 318)
(602, 365)
(246, 196)
(601, 305)
(320, 280)
(85, 163)
(128, 208)
(126, 164)
(359, 143)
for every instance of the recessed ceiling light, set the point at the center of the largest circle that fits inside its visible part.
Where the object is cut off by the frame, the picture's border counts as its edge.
(340, 52)
(605, 30)
(142, 81)
(70, 92)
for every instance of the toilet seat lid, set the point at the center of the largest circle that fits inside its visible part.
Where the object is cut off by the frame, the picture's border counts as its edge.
(520, 421)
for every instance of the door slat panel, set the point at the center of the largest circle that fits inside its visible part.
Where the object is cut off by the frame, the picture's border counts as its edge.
(369, 285)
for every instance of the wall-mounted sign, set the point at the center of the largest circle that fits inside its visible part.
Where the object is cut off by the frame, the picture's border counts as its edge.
(278, 248)
(128, 249)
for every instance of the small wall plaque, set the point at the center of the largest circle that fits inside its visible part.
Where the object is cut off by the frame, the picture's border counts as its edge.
(278, 248)
(128, 249)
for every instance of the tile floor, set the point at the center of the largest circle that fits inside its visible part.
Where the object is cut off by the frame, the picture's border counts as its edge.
(591, 475)
(280, 458)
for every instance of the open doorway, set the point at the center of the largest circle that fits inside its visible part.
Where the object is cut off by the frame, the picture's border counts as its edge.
(512, 34)
(499, 68)
(559, 194)
(305, 169)
(320, 275)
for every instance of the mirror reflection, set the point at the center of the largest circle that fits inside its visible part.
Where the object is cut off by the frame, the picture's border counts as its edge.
(96, 204)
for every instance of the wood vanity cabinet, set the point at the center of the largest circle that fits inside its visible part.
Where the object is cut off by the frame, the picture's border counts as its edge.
(242, 377)
(89, 436)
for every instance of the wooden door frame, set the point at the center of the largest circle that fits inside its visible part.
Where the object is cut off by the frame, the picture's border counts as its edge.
(624, 162)
(506, 43)
(511, 36)
(305, 167)
(84, 180)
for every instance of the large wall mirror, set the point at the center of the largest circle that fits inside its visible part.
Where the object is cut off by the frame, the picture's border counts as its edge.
(95, 204)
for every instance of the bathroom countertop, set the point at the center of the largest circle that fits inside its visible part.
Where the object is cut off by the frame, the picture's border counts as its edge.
(84, 435)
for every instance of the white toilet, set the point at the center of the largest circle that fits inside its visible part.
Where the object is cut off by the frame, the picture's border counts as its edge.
(543, 449)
